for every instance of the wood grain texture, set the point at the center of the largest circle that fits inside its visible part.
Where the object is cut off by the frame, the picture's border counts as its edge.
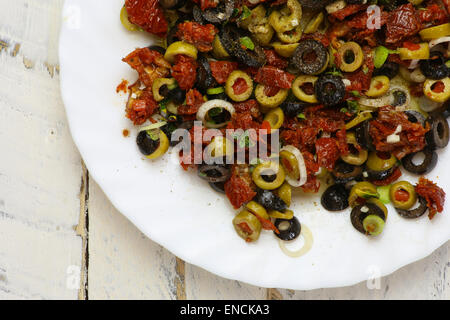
(60, 237)
(40, 175)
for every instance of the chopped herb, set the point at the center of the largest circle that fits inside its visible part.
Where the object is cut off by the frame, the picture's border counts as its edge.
(344, 110)
(335, 72)
(247, 43)
(301, 116)
(245, 13)
(154, 134)
(353, 106)
(365, 69)
(355, 93)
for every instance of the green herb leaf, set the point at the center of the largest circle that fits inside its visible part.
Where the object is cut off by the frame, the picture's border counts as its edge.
(153, 134)
(335, 72)
(247, 43)
(215, 112)
(383, 191)
(353, 106)
(301, 116)
(245, 13)
(355, 93)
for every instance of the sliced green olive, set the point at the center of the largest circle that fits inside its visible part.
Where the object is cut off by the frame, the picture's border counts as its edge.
(233, 92)
(300, 93)
(373, 225)
(275, 118)
(126, 22)
(380, 161)
(247, 226)
(287, 18)
(152, 143)
(256, 208)
(268, 175)
(362, 190)
(273, 101)
(219, 51)
(403, 195)
(358, 158)
(180, 47)
(287, 215)
(158, 83)
(422, 53)
(285, 193)
(379, 85)
(315, 23)
(283, 49)
(360, 117)
(291, 36)
(290, 164)
(351, 56)
(430, 89)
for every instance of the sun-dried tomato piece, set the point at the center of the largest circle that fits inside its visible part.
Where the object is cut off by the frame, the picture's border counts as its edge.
(238, 188)
(221, 70)
(274, 77)
(251, 106)
(412, 135)
(327, 152)
(433, 13)
(142, 108)
(402, 22)
(194, 100)
(148, 15)
(273, 59)
(434, 195)
(184, 71)
(149, 64)
(348, 10)
(201, 36)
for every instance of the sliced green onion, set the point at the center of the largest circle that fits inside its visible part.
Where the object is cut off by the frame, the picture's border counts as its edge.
(383, 191)
(381, 55)
(217, 90)
(245, 13)
(154, 126)
(301, 116)
(247, 43)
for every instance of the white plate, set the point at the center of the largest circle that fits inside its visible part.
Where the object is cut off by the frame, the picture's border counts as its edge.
(181, 212)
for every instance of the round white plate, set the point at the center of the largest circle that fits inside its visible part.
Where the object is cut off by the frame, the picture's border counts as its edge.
(181, 212)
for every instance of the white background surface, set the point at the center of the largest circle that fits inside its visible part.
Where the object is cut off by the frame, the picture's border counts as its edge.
(43, 232)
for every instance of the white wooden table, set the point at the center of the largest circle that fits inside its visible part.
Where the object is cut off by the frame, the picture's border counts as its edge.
(60, 238)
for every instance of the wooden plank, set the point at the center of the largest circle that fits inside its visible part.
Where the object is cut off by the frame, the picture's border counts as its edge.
(41, 169)
(123, 263)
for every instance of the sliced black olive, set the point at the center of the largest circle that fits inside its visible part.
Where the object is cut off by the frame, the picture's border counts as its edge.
(438, 135)
(415, 117)
(157, 49)
(363, 137)
(147, 143)
(230, 39)
(335, 198)
(428, 163)
(177, 95)
(218, 186)
(219, 115)
(292, 109)
(310, 57)
(434, 67)
(315, 4)
(380, 175)
(171, 4)
(344, 172)
(289, 229)
(360, 212)
(198, 15)
(389, 69)
(221, 13)
(270, 201)
(205, 78)
(414, 213)
(329, 89)
(214, 173)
